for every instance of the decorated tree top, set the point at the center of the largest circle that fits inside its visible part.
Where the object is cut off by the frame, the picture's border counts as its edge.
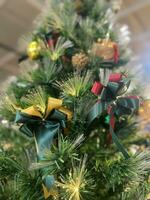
(72, 103)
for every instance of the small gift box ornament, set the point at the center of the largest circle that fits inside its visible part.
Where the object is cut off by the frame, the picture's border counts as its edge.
(106, 49)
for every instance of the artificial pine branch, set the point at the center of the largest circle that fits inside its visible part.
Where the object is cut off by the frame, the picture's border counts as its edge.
(68, 29)
(129, 173)
(38, 99)
(60, 157)
(75, 86)
(77, 184)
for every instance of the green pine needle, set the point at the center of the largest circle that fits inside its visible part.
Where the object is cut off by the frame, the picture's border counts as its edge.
(29, 185)
(8, 106)
(57, 160)
(77, 184)
(76, 86)
(62, 17)
(131, 172)
(43, 74)
(55, 52)
(36, 98)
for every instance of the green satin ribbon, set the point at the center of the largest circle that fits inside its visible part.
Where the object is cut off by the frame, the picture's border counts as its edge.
(114, 89)
(124, 106)
(97, 110)
(44, 132)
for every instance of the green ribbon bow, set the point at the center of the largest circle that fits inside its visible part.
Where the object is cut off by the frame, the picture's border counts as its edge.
(44, 128)
(111, 102)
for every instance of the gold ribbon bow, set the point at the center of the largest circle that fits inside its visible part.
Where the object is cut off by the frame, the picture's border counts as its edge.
(52, 103)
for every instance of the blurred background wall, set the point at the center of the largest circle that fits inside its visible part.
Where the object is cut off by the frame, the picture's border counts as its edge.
(16, 17)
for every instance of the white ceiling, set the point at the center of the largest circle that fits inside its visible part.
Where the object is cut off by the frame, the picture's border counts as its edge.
(16, 18)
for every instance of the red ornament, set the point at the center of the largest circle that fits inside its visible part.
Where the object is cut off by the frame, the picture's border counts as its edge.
(116, 77)
(97, 88)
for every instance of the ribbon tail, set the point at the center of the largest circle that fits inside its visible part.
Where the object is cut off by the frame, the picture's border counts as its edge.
(112, 124)
(114, 136)
(44, 136)
(52, 192)
(96, 111)
(26, 129)
(48, 186)
(118, 144)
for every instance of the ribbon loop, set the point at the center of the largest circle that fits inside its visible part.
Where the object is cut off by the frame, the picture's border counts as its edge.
(127, 106)
(110, 92)
(115, 77)
(97, 88)
(117, 85)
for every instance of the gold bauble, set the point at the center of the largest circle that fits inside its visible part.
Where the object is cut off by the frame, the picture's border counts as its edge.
(80, 60)
(34, 50)
(104, 48)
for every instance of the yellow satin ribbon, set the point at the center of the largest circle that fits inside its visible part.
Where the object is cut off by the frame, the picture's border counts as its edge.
(52, 192)
(52, 103)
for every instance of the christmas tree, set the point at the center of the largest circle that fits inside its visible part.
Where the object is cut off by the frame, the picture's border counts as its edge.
(72, 131)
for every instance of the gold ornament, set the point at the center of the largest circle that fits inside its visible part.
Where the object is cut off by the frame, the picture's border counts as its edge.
(80, 60)
(104, 48)
(34, 50)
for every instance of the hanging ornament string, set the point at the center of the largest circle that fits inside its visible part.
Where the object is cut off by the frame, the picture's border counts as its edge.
(44, 129)
(112, 102)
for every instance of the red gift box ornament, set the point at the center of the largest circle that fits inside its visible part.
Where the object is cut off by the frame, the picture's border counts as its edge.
(106, 49)
(97, 88)
(115, 77)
